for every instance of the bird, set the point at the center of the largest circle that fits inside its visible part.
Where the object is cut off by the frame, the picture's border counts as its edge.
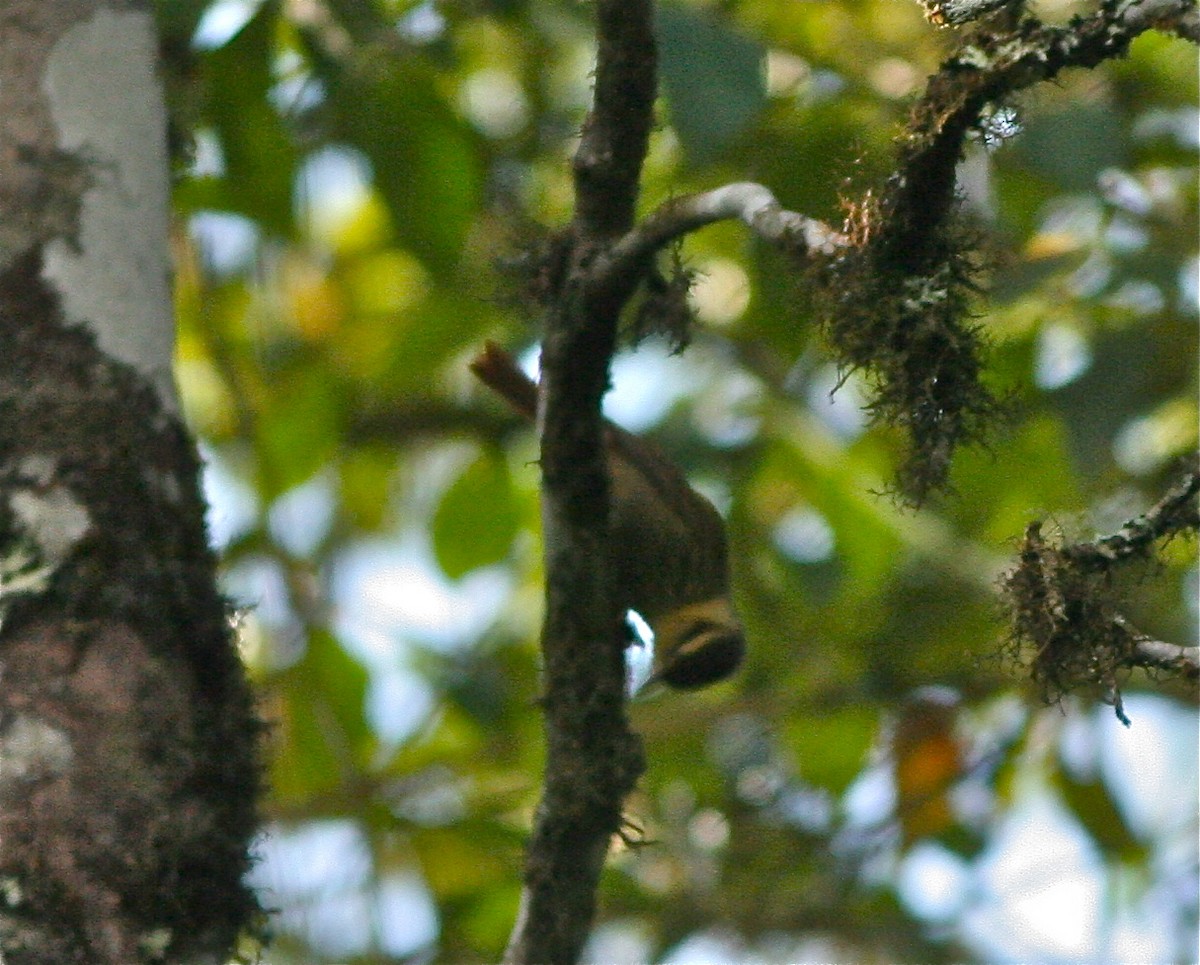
(669, 552)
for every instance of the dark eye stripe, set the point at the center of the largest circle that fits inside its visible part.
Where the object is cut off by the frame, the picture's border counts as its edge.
(707, 638)
(705, 657)
(699, 629)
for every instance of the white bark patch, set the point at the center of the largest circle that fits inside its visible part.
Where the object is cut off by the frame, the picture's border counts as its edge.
(52, 519)
(31, 748)
(38, 468)
(11, 892)
(114, 278)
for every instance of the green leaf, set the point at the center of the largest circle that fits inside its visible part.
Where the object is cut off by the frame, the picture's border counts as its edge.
(177, 20)
(477, 518)
(1090, 802)
(325, 737)
(365, 481)
(1071, 147)
(457, 864)
(426, 161)
(714, 80)
(1006, 489)
(259, 158)
(427, 338)
(832, 749)
(298, 427)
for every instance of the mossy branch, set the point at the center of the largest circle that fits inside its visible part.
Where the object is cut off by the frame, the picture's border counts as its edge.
(593, 760)
(897, 302)
(1062, 606)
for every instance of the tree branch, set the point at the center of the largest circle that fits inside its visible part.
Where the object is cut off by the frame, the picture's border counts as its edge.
(593, 760)
(608, 163)
(987, 68)
(1175, 512)
(1179, 17)
(750, 203)
(898, 299)
(1173, 657)
(1159, 655)
(1062, 607)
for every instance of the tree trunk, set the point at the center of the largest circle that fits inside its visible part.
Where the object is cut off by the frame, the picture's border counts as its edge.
(128, 767)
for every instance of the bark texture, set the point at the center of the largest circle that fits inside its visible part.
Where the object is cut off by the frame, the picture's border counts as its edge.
(128, 743)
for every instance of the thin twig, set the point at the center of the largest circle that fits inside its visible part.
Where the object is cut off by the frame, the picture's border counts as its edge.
(1160, 655)
(1175, 512)
(750, 203)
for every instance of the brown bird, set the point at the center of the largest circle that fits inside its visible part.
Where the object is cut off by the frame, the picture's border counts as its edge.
(670, 561)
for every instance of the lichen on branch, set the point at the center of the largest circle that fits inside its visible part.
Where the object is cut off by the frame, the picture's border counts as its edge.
(1065, 612)
(896, 302)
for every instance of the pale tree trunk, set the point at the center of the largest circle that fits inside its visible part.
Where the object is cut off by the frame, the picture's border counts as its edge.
(128, 768)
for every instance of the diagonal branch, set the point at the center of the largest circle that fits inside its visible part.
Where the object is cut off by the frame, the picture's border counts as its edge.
(1176, 512)
(989, 68)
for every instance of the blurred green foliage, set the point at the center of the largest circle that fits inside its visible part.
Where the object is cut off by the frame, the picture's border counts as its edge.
(358, 177)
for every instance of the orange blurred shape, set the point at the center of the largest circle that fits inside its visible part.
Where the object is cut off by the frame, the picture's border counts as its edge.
(927, 758)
